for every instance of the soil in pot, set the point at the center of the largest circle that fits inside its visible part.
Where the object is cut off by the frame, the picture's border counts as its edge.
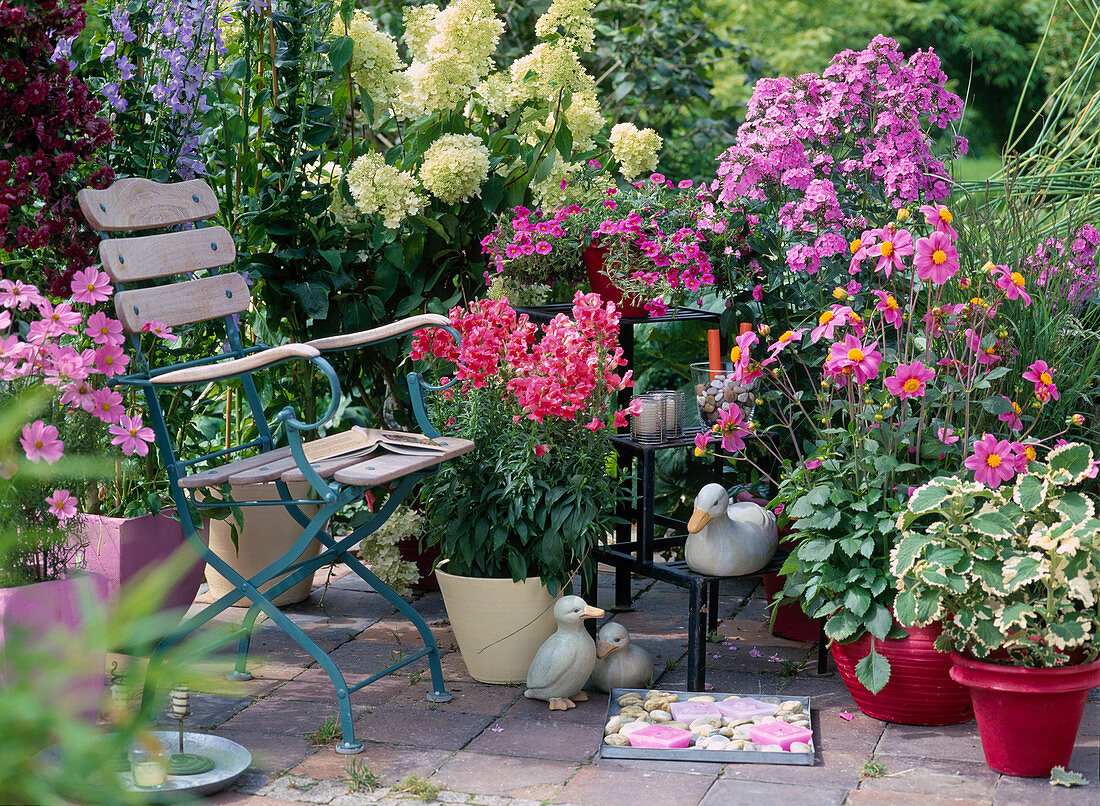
(920, 691)
(499, 624)
(1027, 718)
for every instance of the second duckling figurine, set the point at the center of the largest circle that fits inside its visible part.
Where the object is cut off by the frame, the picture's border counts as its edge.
(619, 663)
(565, 660)
(727, 539)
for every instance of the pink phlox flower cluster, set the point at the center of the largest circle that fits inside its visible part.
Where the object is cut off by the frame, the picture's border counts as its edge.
(870, 106)
(1067, 270)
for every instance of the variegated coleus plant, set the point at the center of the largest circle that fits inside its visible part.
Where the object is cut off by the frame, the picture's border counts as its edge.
(1013, 572)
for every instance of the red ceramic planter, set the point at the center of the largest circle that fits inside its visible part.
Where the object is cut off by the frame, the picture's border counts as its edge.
(609, 292)
(1027, 718)
(790, 621)
(920, 691)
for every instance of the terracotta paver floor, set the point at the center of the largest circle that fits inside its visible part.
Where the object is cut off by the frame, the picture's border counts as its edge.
(491, 747)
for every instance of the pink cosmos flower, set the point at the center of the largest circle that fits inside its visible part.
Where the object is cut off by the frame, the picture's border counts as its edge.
(993, 461)
(61, 504)
(60, 320)
(851, 354)
(939, 217)
(91, 286)
(936, 258)
(1040, 374)
(104, 330)
(107, 406)
(741, 353)
(828, 322)
(131, 435)
(1012, 283)
(111, 360)
(159, 329)
(19, 295)
(1025, 453)
(40, 442)
(891, 311)
(731, 427)
(892, 247)
(1012, 417)
(946, 435)
(79, 395)
(909, 380)
(781, 343)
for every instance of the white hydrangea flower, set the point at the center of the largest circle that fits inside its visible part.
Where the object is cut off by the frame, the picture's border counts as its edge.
(553, 191)
(635, 149)
(383, 189)
(380, 553)
(455, 167)
(452, 52)
(584, 119)
(330, 173)
(375, 66)
(573, 18)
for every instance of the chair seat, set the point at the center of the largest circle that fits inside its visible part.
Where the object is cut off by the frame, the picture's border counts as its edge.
(354, 469)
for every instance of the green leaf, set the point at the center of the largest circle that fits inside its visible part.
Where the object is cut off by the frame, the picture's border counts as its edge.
(992, 524)
(905, 607)
(1059, 776)
(841, 626)
(492, 192)
(1029, 492)
(545, 167)
(816, 549)
(880, 622)
(928, 497)
(873, 672)
(909, 549)
(857, 601)
(1075, 507)
(1074, 458)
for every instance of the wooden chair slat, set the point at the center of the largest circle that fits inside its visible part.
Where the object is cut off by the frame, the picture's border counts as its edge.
(167, 254)
(269, 471)
(183, 303)
(135, 204)
(325, 468)
(383, 467)
(219, 475)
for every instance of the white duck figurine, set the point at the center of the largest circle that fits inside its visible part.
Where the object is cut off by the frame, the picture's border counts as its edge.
(565, 660)
(727, 539)
(620, 664)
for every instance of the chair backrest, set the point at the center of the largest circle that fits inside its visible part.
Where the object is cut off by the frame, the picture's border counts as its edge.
(134, 205)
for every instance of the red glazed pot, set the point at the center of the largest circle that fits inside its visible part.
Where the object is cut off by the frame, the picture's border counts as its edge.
(602, 284)
(920, 691)
(424, 556)
(790, 620)
(1027, 718)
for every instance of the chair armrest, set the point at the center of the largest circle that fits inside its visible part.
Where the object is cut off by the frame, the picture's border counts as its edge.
(376, 334)
(236, 366)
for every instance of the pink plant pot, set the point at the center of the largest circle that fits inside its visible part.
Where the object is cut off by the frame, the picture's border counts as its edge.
(122, 548)
(50, 616)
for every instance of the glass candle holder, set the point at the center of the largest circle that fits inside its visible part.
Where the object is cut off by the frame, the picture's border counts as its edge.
(661, 418)
(149, 766)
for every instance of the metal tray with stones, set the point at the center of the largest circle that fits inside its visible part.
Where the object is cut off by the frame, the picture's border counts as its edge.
(805, 759)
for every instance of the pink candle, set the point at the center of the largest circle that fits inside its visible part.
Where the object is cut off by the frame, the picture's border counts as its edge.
(690, 711)
(746, 708)
(660, 736)
(781, 733)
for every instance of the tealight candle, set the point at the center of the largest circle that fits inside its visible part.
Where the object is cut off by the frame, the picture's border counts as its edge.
(149, 767)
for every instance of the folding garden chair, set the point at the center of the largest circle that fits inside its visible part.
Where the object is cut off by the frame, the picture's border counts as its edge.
(139, 266)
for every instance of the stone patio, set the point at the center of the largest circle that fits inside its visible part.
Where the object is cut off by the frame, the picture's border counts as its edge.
(492, 747)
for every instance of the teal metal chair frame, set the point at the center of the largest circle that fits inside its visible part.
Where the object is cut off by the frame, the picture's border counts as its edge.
(332, 495)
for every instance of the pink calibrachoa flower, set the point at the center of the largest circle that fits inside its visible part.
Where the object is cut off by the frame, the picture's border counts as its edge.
(852, 354)
(131, 435)
(91, 286)
(159, 329)
(1012, 417)
(61, 504)
(40, 442)
(731, 428)
(1040, 374)
(909, 380)
(107, 406)
(1012, 283)
(891, 311)
(104, 330)
(936, 259)
(891, 248)
(993, 461)
(939, 217)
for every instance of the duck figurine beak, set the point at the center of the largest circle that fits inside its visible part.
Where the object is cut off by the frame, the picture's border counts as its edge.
(699, 519)
(603, 649)
(591, 612)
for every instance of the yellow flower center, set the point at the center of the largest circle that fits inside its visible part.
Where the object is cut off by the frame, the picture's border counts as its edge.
(891, 303)
(825, 318)
(911, 385)
(1029, 452)
(977, 301)
(855, 355)
(38, 444)
(133, 432)
(1016, 406)
(91, 286)
(945, 215)
(1018, 279)
(886, 248)
(855, 317)
(786, 337)
(108, 360)
(855, 245)
(939, 257)
(990, 351)
(993, 460)
(735, 354)
(1046, 379)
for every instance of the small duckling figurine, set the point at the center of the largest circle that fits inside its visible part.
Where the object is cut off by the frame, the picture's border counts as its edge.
(619, 663)
(565, 660)
(727, 539)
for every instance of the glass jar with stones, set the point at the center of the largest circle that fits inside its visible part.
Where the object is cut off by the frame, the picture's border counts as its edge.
(717, 390)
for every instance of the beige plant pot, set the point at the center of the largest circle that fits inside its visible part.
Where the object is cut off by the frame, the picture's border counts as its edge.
(267, 534)
(499, 624)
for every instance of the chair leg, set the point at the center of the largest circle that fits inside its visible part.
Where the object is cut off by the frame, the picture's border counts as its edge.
(239, 673)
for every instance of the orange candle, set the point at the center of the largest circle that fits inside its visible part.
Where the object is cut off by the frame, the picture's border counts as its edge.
(714, 352)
